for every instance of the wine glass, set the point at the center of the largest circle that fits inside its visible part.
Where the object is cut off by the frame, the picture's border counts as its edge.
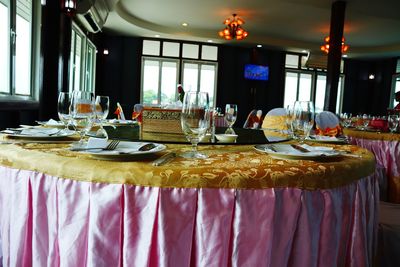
(102, 105)
(365, 121)
(289, 120)
(63, 108)
(393, 122)
(303, 119)
(230, 116)
(195, 120)
(82, 112)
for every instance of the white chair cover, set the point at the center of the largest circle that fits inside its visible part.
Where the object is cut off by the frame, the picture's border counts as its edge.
(276, 112)
(326, 119)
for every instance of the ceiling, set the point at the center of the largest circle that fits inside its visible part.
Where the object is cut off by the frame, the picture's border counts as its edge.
(372, 27)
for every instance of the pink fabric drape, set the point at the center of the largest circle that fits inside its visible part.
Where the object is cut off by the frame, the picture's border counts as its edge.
(47, 221)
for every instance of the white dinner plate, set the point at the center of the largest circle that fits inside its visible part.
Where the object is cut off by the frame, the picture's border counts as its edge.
(116, 122)
(326, 139)
(286, 151)
(39, 134)
(124, 150)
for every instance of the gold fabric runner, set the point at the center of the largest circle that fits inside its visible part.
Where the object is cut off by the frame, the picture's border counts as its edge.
(230, 166)
(371, 135)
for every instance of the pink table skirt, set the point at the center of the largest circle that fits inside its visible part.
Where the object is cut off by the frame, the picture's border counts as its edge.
(47, 221)
(387, 154)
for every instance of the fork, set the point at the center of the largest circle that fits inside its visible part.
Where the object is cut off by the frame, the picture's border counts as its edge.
(112, 145)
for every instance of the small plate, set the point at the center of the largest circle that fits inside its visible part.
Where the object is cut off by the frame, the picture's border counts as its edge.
(286, 151)
(124, 150)
(46, 134)
(226, 138)
(326, 139)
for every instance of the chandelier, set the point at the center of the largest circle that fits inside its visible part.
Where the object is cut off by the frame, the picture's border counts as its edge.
(233, 29)
(325, 47)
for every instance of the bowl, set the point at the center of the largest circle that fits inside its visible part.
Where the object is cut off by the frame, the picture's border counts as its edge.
(226, 138)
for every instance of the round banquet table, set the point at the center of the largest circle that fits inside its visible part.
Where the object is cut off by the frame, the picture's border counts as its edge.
(238, 207)
(386, 147)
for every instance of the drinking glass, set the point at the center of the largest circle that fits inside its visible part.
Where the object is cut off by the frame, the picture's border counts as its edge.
(289, 120)
(230, 115)
(102, 105)
(393, 122)
(195, 120)
(303, 119)
(82, 112)
(365, 121)
(63, 108)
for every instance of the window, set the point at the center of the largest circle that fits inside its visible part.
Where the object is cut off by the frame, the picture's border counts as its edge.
(168, 63)
(18, 48)
(307, 85)
(159, 80)
(82, 66)
(395, 85)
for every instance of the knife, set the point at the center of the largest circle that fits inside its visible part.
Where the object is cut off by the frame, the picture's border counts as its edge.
(299, 148)
(164, 159)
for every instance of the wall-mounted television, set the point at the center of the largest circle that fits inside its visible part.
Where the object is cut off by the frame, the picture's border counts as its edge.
(256, 72)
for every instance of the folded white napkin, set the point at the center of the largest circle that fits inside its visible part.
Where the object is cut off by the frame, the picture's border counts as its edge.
(52, 122)
(96, 142)
(312, 150)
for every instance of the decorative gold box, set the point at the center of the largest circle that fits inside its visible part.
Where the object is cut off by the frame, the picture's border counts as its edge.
(159, 120)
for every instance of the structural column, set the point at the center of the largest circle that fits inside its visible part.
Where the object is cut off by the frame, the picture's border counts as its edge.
(335, 54)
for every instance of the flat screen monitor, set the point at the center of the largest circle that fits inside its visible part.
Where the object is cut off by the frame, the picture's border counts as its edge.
(256, 72)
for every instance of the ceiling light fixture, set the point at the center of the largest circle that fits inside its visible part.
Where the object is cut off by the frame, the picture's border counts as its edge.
(68, 7)
(233, 29)
(325, 47)
(184, 24)
(259, 46)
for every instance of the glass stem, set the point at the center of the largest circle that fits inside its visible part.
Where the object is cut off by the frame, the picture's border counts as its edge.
(194, 147)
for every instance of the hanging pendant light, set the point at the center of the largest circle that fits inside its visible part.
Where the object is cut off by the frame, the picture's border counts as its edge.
(233, 29)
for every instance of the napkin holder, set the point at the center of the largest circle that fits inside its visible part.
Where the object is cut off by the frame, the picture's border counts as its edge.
(160, 120)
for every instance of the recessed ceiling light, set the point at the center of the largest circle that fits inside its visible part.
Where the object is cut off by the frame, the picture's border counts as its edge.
(304, 51)
(105, 52)
(344, 55)
(259, 45)
(371, 76)
(157, 35)
(209, 41)
(184, 24)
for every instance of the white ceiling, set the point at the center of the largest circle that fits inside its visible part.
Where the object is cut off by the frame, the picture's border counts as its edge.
(372, 27)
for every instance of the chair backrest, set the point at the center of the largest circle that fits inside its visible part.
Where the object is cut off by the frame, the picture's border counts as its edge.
(275, 119)
(254, 119)
(327, 123)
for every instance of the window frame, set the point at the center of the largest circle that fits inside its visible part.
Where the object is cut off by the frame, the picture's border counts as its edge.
(84, 61)
(181, 61)
(160, 60)
(314, 74)
(11, 96)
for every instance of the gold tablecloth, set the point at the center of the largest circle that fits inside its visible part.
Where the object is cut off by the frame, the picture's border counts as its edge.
(371, 135)
(230, 166)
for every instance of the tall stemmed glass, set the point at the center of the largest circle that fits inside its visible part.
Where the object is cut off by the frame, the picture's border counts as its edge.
(230, 116)
(393, 123)
(195, 120)
(102, 105)
(82, 112)
(303, 119)
(63, 108)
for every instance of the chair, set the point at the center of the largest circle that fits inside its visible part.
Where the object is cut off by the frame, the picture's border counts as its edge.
(275, 119)
(254, 119)
(327, 123)
(389, 235)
